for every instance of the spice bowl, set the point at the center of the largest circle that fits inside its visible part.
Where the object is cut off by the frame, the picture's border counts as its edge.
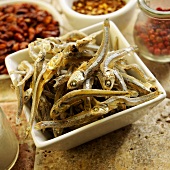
(95, 129)
(78, 20)
(22, 22)
(152, 30)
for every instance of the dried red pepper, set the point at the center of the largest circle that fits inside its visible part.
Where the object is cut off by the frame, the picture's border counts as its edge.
(155, 35)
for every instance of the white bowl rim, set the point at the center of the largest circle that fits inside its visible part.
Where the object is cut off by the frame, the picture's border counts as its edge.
(67, 10)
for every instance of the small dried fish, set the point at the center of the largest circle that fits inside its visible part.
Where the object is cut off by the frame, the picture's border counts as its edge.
(19, 90)
(88, 85)
(143, 88)
(37, 91)
(28, 68)
(77, 119)
(67, 100)
(27, 95)
(87, 69)
(109, 73)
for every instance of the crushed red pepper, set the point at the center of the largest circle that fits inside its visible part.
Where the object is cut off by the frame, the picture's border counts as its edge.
(97, 7)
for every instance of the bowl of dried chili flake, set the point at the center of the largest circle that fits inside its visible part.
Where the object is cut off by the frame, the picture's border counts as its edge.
(82, 13)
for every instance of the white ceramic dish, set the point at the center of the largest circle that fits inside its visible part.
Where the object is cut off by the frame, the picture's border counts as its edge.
(42, 5)
(100, 127)
(120, 17)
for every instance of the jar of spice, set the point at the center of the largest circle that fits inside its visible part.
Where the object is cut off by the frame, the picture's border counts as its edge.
(152, 30)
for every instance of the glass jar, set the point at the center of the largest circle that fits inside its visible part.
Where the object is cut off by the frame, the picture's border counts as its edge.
(9, 145)
(152, 30)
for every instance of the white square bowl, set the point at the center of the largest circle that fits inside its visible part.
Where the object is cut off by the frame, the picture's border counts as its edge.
(100, 127)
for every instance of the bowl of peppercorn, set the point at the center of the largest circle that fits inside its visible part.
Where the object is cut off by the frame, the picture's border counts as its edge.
(152, 30)
(22, 21)
(82, 13)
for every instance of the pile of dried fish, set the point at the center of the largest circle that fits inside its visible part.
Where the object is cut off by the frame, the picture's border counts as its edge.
(74, 81)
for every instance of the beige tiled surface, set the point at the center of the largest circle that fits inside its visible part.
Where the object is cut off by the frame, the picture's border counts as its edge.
(142, 145)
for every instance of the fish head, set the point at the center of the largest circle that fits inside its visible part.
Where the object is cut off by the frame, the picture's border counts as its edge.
(100, 109)
(76, 79)
(108, 80)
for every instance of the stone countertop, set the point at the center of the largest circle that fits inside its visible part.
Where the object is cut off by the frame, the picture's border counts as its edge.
(143, 145)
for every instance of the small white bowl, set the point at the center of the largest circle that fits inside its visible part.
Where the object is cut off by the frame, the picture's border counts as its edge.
(100, 127)
(120, 17)
(42, 5)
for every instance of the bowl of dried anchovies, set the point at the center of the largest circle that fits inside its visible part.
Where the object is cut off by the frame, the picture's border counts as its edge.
(82, 13)
(81, 85)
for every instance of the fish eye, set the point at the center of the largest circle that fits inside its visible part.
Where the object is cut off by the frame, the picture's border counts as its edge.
(52, 45)
(73, 83)
(108, 83)
(152, 89)
(95, 109)
(25, 97)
